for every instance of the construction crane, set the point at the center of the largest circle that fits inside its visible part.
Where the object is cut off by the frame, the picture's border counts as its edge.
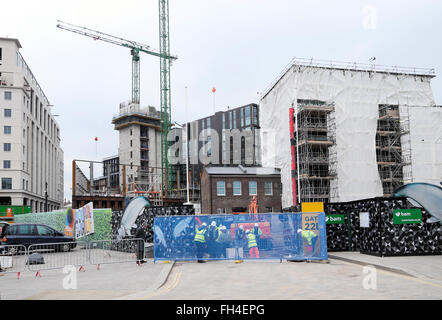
(165, 63)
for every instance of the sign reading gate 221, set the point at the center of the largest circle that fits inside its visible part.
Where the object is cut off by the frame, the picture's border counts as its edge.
(407, 216)
(310, 222)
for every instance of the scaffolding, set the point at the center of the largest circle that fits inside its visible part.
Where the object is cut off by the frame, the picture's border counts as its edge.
(390, 156)
(315, 135)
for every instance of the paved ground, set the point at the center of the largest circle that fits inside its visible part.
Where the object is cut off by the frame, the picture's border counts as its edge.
(110, 281)
(395, 278)
(289, 280)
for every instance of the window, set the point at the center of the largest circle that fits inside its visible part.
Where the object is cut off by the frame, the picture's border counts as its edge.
(26, 229)
(230, 120)
(0, 53)
(6, 183)
(6, 147)
(255, 115)
(221, 210)
(269, 209)
(252, 188)
(45, 231)
(234, 119)
(208, 123)
(7, 130)
(236, 188)
(6, 164)
(8, 95)
(220, 188)
(224, 120)
(247, 111)
(268, 188)
(8, 113)
(242, 117)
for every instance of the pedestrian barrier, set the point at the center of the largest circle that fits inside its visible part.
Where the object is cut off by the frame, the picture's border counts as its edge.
(289, 236)
(49, 256)
(13, 258)
(116, 251)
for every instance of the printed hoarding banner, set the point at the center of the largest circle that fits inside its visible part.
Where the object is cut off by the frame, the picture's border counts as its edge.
(84, 221)
(69, 223)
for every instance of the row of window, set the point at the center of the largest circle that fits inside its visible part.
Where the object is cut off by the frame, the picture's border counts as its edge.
(237, 188)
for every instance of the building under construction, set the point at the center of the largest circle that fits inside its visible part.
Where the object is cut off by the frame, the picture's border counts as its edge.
(347, 131)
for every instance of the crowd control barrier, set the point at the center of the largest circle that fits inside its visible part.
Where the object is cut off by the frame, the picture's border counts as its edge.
(13, 258)
(289, 236)
(49, 256)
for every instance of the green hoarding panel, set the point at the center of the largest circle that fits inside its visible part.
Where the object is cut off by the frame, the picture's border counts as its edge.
(407, 216)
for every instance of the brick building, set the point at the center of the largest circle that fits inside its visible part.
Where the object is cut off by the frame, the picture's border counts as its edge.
(230, 189)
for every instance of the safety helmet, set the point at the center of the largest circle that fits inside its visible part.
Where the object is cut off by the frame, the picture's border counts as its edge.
(241, 227)
(213, 223)
(299, 230)
(256, 224)
(204, 224)
(247, 231)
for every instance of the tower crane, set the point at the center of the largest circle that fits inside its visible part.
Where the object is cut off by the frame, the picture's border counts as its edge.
(165, 62)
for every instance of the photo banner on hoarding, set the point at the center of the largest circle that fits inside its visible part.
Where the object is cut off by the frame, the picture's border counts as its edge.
(69, 222)
(84, 221)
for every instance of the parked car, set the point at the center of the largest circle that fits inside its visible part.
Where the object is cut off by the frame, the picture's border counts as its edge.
(40, 236)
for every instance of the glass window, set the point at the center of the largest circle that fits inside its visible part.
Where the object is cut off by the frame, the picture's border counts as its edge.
(234, 119)
(208, 123)
(221, 210)
(45, 231)
(6, 183)
(220, 188)
(242, 117)
(7, 130)
(8, 95)
(6, 147)
(268, 188)
(224, 120)
(255, 115)
(247, 111)
(252, 188)
(231, 120)
(6, 164)
(8, 113)
(236, 188)
(26, 229)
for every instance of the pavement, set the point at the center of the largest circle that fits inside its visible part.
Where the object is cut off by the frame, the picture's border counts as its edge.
(343, 276)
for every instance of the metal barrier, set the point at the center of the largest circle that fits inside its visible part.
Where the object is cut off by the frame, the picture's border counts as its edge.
(116, 251)
(13, 258)
(56, 255)
(49, 256)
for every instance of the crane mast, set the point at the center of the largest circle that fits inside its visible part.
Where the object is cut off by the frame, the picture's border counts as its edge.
(165, 97)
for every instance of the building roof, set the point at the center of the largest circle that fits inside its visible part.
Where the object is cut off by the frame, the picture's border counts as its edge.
(12, 39)
(240, 170)
(348, 66)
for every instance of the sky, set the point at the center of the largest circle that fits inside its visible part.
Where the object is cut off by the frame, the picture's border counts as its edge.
(236, 46)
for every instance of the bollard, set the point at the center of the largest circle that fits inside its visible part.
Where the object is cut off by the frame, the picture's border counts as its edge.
(18, 275)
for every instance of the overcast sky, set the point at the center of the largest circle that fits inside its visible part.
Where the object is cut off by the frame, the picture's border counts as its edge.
(236, 46)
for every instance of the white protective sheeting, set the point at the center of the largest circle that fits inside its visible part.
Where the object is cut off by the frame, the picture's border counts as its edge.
(357, 95)
(426, 144)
